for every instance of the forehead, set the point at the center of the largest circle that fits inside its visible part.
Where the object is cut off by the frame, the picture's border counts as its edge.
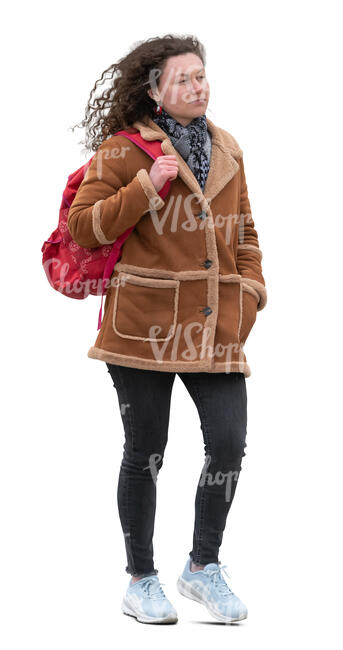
(184, 64)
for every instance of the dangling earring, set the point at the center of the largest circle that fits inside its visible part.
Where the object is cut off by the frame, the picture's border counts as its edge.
(158, 108)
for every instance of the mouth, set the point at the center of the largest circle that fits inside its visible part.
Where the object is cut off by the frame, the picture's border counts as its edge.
(199, 101)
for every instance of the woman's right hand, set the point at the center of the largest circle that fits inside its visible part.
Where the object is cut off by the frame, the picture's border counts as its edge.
(163, 169)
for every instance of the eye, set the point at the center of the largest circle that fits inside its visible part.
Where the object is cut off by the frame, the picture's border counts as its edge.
(199, 77)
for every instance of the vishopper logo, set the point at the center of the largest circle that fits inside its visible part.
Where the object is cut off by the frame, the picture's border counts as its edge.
(154, 459)
(123, 407)
(77, 286)
(106, 154)
(206, 477)
(193, 352)
(243, 220)
(176, 206)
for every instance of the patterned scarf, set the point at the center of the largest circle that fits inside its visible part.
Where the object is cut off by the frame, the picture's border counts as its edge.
(193, 142)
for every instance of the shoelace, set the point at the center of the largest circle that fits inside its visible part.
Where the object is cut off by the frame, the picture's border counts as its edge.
(154, 594)
(219, 581)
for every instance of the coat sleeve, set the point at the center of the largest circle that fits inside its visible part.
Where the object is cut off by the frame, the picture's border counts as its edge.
(249, 254)
(105, 206)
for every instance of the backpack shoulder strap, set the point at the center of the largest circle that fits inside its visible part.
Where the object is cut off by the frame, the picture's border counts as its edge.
(151, 147)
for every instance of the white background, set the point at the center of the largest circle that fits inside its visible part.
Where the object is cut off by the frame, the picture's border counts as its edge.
(275, 81)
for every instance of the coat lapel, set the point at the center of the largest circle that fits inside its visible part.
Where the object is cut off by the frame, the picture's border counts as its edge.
(223, 163)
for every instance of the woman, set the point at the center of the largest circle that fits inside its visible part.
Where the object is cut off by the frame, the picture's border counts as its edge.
(183, 300)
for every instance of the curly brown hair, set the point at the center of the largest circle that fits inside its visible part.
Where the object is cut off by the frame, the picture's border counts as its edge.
(127, 100)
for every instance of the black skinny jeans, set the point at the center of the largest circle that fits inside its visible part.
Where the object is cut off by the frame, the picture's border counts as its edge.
(144, 398)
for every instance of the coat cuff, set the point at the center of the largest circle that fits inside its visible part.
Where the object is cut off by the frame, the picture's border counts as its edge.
(261, 290)
(155, 201)
(142, 180)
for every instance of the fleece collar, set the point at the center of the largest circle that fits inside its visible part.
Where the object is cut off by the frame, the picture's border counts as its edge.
(223, 164)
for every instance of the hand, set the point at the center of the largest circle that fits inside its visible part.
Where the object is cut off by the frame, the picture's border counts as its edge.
(164, 168)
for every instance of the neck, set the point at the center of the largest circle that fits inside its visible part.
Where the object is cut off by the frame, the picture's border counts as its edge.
(184, 121)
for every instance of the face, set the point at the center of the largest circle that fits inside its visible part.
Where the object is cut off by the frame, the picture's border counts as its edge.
(180, 87)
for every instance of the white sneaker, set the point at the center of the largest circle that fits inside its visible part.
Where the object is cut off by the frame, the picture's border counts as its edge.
(147, 602)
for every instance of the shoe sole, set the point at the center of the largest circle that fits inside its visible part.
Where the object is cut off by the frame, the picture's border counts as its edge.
(143, 618)
(186, 590)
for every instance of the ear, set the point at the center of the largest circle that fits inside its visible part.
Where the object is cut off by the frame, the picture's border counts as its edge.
(150, 93)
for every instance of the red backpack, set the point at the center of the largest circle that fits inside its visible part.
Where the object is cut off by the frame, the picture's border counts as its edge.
(76, 271)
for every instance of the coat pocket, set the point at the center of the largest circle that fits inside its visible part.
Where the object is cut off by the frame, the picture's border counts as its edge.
(145, 309)
(249, 302)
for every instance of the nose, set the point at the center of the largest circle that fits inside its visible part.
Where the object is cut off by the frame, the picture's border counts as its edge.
(197, 86)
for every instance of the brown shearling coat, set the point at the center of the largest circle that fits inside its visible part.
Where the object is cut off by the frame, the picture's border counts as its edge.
(185, 294)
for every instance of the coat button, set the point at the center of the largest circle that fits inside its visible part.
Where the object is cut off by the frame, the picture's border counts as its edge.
(207, 311)
(207, 263)
(202, 215)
